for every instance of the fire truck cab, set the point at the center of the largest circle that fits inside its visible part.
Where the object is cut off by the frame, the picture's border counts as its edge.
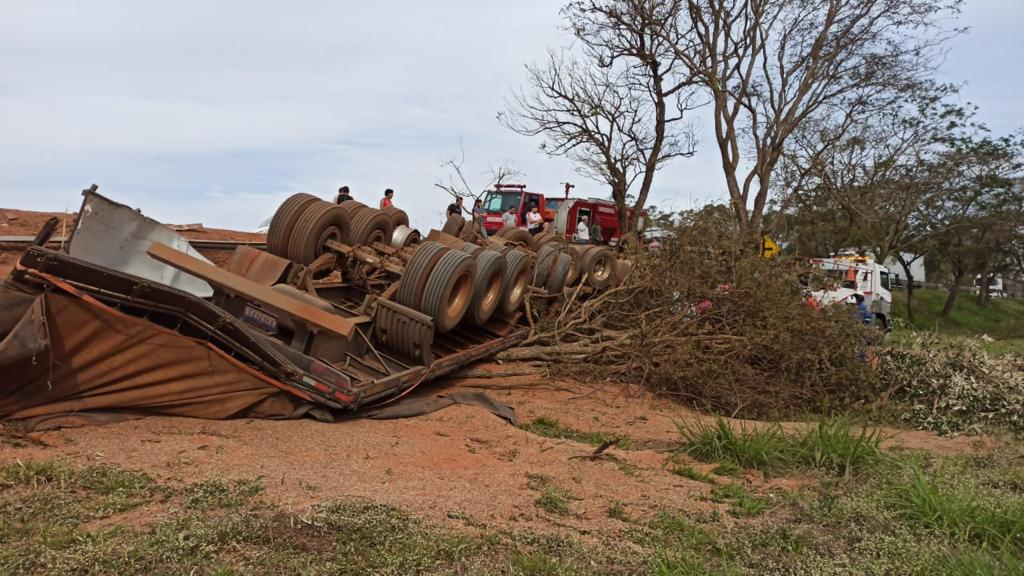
(563, 215)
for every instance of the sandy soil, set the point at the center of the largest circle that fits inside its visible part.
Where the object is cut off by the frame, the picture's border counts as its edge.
(457, 465)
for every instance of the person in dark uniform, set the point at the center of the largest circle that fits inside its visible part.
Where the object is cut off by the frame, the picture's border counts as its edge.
(456, 207)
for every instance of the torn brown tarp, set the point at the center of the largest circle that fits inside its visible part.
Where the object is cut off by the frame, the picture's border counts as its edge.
(68, 360)
(63, 359)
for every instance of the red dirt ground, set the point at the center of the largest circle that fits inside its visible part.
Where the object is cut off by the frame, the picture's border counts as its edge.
(461, 464)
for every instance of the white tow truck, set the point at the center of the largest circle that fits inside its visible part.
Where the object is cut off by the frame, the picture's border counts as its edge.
(845, 276)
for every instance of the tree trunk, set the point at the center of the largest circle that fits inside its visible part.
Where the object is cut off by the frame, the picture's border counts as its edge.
(910, 286)
(954, 289)
(986, 280)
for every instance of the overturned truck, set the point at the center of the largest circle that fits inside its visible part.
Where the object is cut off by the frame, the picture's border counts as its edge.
(346, 310)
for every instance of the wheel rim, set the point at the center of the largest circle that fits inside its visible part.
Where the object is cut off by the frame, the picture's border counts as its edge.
(493, 293)
(518, 286)
(601, 269)
(460, 295)
(377, 235)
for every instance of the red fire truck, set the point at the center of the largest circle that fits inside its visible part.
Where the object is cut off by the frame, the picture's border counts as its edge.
(563, 214)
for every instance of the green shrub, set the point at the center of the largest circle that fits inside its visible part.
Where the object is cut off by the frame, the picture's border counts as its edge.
(953, 386)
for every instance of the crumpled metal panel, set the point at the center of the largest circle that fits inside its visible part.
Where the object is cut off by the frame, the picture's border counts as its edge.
(116, 236)
(256, 265)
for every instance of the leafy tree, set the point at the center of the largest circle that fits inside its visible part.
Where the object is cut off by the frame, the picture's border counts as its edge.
(771, 66)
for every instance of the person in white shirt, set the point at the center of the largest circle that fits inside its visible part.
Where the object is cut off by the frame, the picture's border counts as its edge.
(509, 217)
(583, 230)
(534, 221)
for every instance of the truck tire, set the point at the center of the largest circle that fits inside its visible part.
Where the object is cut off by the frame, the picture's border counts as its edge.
(369, 226)
(416, 273)
(544, 238)
(321, 221)
(472, 249)
(283, 222)
(453, 225)
(397, 216)
(567, 249)
(487, 287)
(513, 234)
(517, 277)
(561, 263)
(404, 236)
(499, 248)
(449, 290)
(353, 207)
(545, 258)
(598, 263)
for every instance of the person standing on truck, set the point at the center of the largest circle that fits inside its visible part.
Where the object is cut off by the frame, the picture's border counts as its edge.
(343, 195)
(583, 231)
(595, 234)
(478, 216)
(455, 208)
(386, 202)
(509, 217)
(534, 221)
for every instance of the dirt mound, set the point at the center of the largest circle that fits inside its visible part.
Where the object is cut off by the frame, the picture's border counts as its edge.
(28, 222)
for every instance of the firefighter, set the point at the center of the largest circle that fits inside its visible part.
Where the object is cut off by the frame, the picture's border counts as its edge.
(583, 231)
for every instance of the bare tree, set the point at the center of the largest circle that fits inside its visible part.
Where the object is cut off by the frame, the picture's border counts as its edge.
(770, 65)
(457, 185)
(616, 103)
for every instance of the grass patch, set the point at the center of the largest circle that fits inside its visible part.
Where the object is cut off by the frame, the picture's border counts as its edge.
(1002, 319)
(692, 473)
(997, 525)
(552, 499)
(832, 446)
(552, 428)
(213, 494)
(762, 448)
(927, 515)
(835, 447)
(743, 503)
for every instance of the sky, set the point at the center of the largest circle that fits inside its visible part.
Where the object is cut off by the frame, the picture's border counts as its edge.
(215, 111)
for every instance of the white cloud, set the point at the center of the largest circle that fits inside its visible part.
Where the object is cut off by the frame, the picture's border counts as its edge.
(217, 110)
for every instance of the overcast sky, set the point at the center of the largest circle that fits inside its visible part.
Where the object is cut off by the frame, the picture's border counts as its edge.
(215, 111)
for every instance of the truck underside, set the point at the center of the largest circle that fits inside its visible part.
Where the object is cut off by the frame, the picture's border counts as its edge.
(127, 321)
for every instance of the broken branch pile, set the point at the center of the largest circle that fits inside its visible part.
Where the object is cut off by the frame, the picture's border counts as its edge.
(707, 322)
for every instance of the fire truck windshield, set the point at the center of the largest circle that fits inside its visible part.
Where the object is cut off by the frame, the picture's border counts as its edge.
(500, 201)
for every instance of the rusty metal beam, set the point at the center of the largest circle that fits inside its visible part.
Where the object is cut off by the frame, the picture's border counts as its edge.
(245, 288)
